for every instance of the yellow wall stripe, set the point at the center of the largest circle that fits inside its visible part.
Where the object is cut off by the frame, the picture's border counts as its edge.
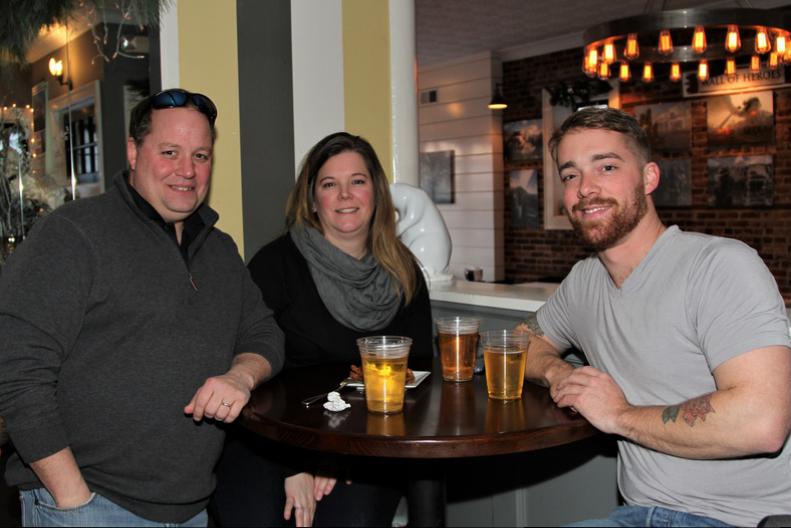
(366, 74)
(209, 65)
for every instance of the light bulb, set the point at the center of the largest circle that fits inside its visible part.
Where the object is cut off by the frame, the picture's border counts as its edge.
(675, 72)
(632, 49)
(625, 73)
(774, 61)
(732, 40)
(781, 44)
(762, 44)
(730, 66)
(665, 42)
(648, 72)
(703, 70)
(699, 40)
(755, 63)
(604, 70)
(593, 57)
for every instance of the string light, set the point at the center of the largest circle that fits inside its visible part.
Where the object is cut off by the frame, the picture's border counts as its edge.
(730, 66)
(699, 40)
(665, 42)
(733, 41)
(675, 72)
(604, 70)
(703, 70)
(632, 49)
(592, 60)
(625, 72)
(648, 72)
(773, 61)
(667, 27)
(780, 44)
(762, 44)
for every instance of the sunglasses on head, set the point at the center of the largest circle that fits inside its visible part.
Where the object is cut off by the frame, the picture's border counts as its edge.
(178, 98)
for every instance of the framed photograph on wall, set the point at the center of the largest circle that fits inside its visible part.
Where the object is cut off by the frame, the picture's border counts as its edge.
(522, 140)
(551, 119)
(522, 198)
(668, 125)
(675, 183)
(742, 181)
(436, 175)
(739, 120)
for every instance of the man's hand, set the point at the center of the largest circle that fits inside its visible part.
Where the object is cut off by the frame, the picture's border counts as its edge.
(594, 395)
(221, 398)
(62, 477)
(300, 498)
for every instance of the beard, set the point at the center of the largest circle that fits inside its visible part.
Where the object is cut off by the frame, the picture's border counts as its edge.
(606, 233)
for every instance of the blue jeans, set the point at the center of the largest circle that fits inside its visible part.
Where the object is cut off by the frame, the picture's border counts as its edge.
(650, 516)
(38, 509)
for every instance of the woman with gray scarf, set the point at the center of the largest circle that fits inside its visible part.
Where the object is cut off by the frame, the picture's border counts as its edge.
(338, 274)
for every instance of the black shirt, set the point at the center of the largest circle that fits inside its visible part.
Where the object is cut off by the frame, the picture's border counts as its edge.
(313, 336)
(193, 224)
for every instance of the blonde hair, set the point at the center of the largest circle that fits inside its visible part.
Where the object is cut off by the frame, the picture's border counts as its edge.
(382, 243)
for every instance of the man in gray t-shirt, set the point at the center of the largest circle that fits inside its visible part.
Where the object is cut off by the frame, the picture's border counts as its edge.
(686, 335)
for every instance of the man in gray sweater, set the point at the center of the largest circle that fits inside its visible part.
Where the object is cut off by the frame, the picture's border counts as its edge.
(128, 319)
(687, 339)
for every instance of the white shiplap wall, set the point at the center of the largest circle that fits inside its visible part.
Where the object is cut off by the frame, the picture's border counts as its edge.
(461, 121)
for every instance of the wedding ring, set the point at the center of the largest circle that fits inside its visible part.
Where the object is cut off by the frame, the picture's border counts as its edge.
(226, 403)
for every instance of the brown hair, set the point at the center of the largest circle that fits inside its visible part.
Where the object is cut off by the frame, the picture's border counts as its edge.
(382, 242)
(604, 119)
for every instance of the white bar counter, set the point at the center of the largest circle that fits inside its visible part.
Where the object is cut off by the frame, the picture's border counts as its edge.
(524, 297)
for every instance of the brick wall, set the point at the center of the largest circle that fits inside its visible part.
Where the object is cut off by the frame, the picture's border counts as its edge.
(533, 254)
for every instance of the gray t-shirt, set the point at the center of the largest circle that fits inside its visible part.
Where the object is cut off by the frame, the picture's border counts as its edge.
(694, 302)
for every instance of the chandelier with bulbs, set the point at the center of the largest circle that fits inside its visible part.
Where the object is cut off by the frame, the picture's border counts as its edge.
(708, 40)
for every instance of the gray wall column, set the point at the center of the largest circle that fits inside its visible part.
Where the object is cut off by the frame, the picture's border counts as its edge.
(266, 118)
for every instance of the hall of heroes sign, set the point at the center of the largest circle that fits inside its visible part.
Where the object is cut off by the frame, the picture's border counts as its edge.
(743, 80)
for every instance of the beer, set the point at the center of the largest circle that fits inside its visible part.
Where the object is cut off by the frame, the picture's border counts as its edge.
(457, 354)
(385, 424)
(384, 379)
(505, 371)
(504, 418)
(458, 344)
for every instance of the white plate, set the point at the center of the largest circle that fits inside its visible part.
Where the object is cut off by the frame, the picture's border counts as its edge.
(420, 375)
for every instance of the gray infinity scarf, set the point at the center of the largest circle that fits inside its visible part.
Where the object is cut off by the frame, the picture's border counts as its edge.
(359, 294)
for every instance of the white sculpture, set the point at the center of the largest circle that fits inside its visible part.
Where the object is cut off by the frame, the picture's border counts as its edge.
(422, 229)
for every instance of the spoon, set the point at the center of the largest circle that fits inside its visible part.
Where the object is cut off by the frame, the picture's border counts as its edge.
(307, 402)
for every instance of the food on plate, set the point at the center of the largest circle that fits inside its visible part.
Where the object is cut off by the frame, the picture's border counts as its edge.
(356, 374)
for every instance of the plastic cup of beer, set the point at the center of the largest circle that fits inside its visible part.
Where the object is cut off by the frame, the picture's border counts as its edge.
(458, 343)
(504, 356)
(384, 360)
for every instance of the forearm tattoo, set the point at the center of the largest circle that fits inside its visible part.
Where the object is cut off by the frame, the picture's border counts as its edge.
(690, 410)
(532, 324)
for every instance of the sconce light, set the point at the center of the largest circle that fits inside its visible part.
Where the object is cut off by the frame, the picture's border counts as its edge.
(498, 101)
(56, 70)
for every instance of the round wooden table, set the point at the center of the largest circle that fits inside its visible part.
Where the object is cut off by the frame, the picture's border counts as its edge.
(440, 420)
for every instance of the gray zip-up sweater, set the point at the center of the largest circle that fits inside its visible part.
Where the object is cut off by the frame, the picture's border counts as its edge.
(105, 335)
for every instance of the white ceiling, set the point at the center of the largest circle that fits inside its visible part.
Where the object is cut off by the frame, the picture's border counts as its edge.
(447, 29)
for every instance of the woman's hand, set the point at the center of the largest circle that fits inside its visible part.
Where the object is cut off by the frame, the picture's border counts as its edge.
(300, 498)
(322, 486)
